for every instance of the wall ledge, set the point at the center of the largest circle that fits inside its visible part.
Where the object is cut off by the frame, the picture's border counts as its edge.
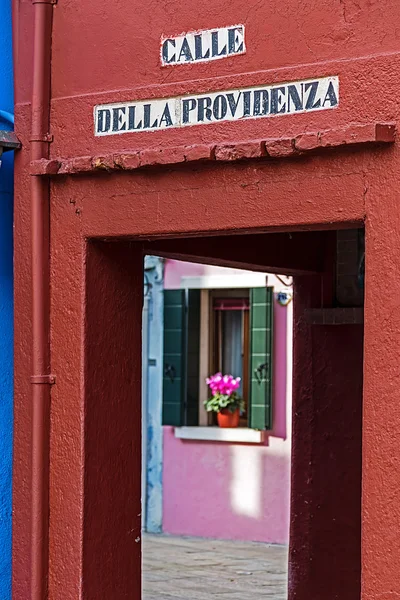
(353, 134)
(335, 316)
(219, 434)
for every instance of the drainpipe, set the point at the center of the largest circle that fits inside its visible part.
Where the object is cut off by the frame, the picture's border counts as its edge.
(145, 358)
(41, 378)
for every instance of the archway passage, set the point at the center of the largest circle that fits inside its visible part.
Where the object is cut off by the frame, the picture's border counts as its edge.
(327, 400)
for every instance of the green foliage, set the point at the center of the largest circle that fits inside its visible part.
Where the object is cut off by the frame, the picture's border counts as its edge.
(220, 402)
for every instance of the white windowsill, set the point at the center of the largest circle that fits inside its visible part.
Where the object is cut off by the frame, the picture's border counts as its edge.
(220, 434)
(221, 281)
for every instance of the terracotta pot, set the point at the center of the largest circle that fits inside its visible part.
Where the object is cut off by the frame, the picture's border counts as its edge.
(226, 418)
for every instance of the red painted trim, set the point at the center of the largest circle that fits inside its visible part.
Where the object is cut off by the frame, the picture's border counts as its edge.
(231, 304)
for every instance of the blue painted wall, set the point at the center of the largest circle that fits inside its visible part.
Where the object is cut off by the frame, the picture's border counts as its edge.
(6, 304)
(152, 432)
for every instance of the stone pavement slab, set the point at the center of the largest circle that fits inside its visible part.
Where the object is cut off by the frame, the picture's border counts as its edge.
(181, 568)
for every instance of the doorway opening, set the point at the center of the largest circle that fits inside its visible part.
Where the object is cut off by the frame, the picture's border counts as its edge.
(216, 513)
(215, 492)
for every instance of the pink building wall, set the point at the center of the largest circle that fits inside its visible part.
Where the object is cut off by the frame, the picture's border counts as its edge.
(230, 490)
(176, 269)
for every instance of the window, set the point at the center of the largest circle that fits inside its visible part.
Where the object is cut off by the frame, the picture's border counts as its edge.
(240, 342)
(229, 348)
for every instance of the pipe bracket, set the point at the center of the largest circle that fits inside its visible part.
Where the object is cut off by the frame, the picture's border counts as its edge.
(47, 137)
(44, 1)
(43, 379)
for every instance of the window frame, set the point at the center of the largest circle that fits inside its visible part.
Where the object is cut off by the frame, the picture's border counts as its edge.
(205, 293)
(213, 367)
(206, 366)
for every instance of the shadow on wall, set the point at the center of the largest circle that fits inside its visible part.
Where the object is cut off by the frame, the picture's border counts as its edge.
(238, 492)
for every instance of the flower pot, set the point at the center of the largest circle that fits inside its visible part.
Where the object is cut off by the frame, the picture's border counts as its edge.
(226, 418)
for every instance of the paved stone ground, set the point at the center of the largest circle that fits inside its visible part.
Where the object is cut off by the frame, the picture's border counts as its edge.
(177, 568)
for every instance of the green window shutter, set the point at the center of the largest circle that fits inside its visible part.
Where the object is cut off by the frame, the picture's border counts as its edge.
(174, 357)
(192, 358)
(181, 357)
(261, 326)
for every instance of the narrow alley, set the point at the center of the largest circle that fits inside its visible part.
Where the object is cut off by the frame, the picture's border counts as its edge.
(177, 568)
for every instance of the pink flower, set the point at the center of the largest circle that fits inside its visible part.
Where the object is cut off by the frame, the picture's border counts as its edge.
(222, 384)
